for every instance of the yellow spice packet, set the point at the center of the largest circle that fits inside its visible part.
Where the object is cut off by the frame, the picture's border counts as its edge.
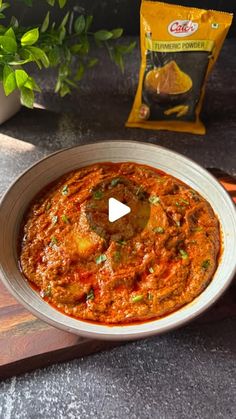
(179, 46)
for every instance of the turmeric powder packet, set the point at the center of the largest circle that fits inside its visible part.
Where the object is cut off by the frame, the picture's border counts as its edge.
(179, 46)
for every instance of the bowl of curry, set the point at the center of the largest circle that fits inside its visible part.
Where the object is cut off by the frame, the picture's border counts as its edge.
(150, 271)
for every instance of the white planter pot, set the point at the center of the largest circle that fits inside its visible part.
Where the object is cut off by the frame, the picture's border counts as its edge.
(9, 105)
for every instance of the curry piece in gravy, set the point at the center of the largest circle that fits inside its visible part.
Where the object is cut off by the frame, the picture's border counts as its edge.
(114, 278)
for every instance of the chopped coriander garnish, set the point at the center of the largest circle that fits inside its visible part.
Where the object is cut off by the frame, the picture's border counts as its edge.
(141, 193)
(160, 179)
(197, 229)
(159, 230)
(121, 242)
(195, 195)
(151, 270)
(115, 182)
(47, 292)
(179, 206)
(137, 298)
(184, 201)
(98, 195)
(48, 206)
(54, 219)
(99, 231)
(53, 241)
(154, 199)
(183, 254)
(65, 219)
(206, 264)
(90, 295)
(149, 295)
(100, 259)
(92, 205)
(138, 190)
(116, 256)
(64, 190)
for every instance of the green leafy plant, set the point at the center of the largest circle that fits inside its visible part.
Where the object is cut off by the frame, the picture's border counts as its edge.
(51, 45)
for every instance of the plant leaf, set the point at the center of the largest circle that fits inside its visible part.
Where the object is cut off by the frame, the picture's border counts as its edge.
(14, 22)
(54, 56)
(21, 77)
(62, 34)
(76, 48)
(32, 85)
(79, 72)
(45, 23)
(78, 9)
(8, 44)
(27, 97)
(118, 59)
(9, 80)
(117, 33)
(30, 37)
(92, 62)
(85, 45)
(79, 24)
(10, 32)
(4, 6)
(62, 3)
(64, 70)
(51, 2)
(64, 90)
(103, 35)
(126, 49)
(28, 2)
(71, 83)
(88, 22)
(58, 85)
(39, 54)
(64, 20)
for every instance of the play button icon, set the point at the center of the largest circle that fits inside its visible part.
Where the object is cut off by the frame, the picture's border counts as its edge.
(116, 210)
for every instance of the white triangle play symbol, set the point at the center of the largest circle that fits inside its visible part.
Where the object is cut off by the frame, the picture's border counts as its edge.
(116, 209)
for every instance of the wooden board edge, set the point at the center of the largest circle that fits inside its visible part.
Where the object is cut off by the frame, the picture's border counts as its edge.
(49, 358)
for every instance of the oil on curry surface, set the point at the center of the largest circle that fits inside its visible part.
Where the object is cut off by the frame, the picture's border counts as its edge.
(126, 271)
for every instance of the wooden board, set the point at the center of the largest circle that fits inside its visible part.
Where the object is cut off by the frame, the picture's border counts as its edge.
(27, 343)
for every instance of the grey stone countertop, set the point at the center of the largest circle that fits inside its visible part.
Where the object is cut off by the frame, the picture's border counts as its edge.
(188, 373)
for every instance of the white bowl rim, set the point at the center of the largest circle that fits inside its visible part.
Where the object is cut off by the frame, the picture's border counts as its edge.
(122, 332)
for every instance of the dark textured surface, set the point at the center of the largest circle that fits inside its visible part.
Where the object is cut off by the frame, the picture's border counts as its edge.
(189, 373)
(111, 13)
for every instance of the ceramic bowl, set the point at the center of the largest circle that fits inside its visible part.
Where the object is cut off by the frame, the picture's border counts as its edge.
(23, 190)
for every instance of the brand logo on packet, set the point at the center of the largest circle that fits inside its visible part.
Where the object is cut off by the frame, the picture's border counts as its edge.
(182, 28)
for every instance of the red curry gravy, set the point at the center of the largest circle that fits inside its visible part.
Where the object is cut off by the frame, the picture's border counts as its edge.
(131, 274)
